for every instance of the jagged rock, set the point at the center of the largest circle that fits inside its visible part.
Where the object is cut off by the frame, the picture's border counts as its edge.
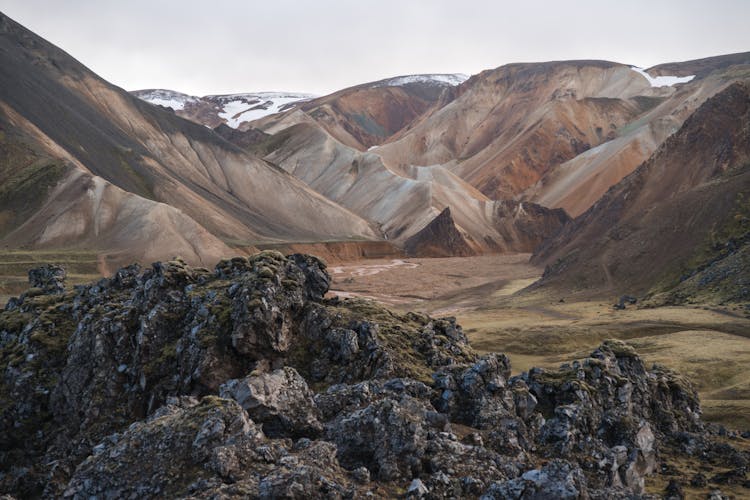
(349, 350)
(206, 447)
(212, 437)
(312, 473)
(417, 489)
(281, 401)
(49, 278)
(343, 398)
(558, 479)
(112, 387)
(388, 437)
(610, 395)
(477, 395)
(460, 470)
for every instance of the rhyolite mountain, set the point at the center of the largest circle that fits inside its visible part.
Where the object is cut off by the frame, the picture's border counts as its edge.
(244, 382)
(88, 165)
(678, 227)
(361, 116)
(381, 161)
(558, 133)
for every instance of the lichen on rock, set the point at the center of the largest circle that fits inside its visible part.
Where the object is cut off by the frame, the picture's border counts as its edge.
(244, 381)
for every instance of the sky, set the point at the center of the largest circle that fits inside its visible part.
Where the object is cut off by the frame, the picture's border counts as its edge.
(321, 46)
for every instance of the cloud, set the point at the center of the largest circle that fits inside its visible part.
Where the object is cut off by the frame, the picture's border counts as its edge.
(233, 46)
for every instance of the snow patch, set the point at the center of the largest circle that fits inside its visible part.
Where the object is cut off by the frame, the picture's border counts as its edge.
(239, 108)
(449, 80)
(662, 81)
(168, 98)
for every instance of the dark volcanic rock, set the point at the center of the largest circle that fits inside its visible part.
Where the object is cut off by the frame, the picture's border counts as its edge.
(244, 382)
(281, 401)
(559, 479)
(49, 278)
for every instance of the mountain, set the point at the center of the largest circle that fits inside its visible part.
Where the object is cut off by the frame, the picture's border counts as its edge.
(98, 168)
(679, 225)
(439, 238)
(557, 133)
(366, 115)
(400, 201)
(360, 116)
(234, 110)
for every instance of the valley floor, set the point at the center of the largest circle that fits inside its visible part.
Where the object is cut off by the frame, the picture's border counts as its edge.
(709, 345)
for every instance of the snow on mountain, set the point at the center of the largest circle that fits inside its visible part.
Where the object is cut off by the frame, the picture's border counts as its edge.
(168, 98)
(450, 80)
(239, 108)
(233, 109)
(662, 81)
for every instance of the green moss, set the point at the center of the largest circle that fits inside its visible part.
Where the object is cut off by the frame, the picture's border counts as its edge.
(24, 189)
(254, 304)
(165, 359)
(620, 348)
(722, 241)
(266, 273)
(289, 284)
(399, 334)
(14, 321)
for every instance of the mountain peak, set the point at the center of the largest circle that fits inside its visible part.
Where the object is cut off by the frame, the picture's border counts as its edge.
(442, 80)
(440, 238)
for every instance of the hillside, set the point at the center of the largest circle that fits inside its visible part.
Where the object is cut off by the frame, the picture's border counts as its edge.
(404, 201)
(369, 114)
(680, 220)
(558, 133)
(154, 183)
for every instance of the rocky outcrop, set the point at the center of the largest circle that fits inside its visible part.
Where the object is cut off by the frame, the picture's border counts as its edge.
(244, 381)
(280, 400)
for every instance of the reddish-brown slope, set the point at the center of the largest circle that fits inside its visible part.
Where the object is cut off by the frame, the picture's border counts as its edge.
(510, 126)
(651, 227)
(439, 238)
(366, 116)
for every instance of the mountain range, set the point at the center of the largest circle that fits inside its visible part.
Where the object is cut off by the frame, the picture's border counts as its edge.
(520, 158)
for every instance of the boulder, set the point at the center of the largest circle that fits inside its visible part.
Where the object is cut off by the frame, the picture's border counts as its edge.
(280, 400)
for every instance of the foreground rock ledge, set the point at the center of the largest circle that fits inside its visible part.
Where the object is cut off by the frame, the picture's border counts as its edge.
(244, 381)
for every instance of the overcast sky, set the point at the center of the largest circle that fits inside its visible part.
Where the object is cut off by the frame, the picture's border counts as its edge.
(325, 45)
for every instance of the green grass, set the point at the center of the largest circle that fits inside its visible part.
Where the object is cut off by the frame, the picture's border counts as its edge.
(724, 239)
(23, 191)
